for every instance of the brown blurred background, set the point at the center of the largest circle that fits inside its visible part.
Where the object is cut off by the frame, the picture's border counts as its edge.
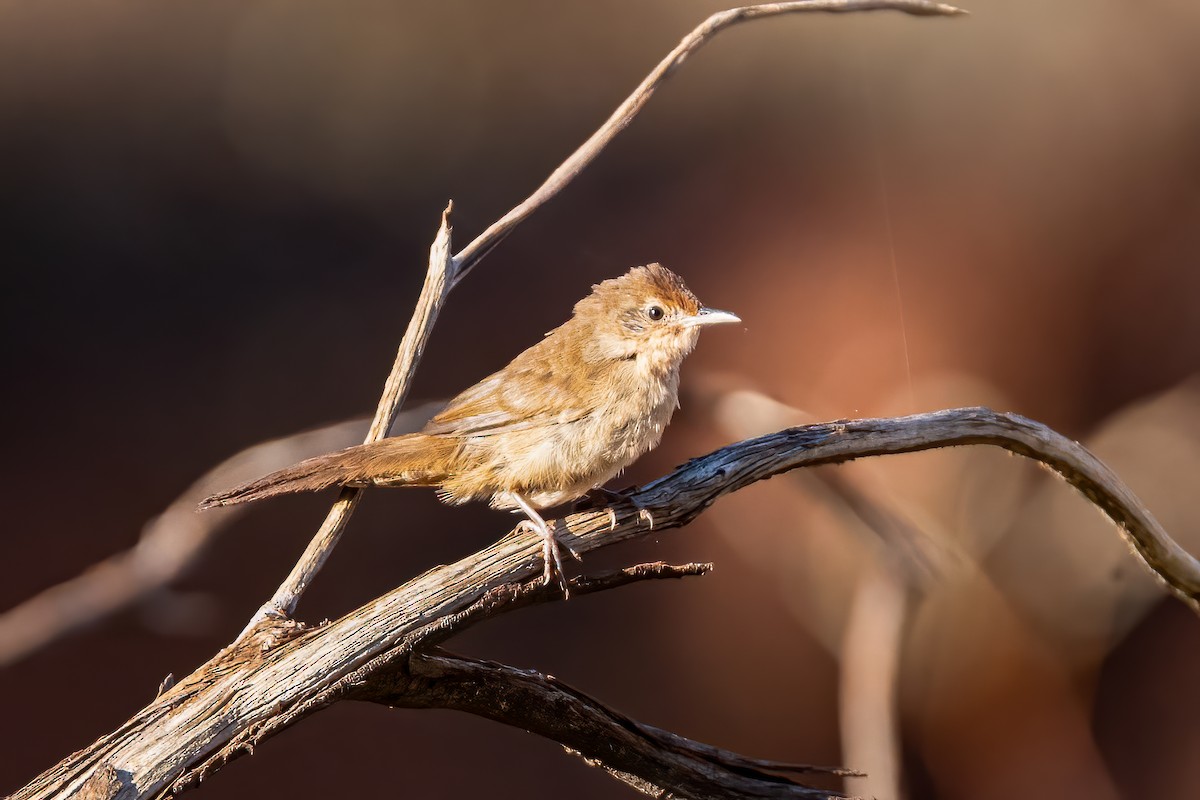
(215, 221)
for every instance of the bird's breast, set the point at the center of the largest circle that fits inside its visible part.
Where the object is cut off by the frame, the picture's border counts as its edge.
(627, 415)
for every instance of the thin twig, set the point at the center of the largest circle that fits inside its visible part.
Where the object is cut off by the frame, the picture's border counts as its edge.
(399, 380)
(619, 120)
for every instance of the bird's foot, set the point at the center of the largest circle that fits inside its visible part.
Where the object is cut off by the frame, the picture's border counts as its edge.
(552, 562)
(601, 497)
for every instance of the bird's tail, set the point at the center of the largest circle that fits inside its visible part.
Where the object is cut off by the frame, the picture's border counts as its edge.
(413, 460)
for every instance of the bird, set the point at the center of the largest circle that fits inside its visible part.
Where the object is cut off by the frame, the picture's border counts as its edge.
(559, 421)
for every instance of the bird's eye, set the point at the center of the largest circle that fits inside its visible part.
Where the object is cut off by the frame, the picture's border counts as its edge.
(654, 312)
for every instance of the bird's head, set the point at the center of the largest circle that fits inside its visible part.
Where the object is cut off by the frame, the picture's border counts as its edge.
(648, 313)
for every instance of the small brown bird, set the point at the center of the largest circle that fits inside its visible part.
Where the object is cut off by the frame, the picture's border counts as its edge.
(561, 419)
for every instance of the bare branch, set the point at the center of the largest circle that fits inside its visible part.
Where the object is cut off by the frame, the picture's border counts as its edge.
(651, 760)
(740, 464)
(246, 689)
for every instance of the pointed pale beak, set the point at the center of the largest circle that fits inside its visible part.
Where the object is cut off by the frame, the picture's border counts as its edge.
(710, 316)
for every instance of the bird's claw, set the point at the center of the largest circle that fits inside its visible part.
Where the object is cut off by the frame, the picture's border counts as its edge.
(552, 563)
(552, 571)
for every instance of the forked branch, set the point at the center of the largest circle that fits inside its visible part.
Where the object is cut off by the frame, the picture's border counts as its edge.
(247, 694)
(445, 272)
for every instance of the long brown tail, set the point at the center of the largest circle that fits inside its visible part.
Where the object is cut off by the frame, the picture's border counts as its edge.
(413, 460)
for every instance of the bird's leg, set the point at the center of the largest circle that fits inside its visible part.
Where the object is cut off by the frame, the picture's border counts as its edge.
(551, 548)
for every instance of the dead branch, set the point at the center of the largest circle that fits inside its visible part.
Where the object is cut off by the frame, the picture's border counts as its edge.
(247, 693)
(653, 761)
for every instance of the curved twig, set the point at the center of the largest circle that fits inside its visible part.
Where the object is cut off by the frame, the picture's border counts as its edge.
(586, 153)
(744, 463)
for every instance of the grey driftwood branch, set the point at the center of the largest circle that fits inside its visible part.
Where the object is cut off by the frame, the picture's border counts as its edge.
(249, 691)
(446, 270)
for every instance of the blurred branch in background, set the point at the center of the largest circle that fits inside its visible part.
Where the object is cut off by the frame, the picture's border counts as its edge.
(168, 545)
(904, 560)
(1052, 560)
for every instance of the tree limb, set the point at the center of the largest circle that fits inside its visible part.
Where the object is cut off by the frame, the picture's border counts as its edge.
(247, 690)
(653, 761)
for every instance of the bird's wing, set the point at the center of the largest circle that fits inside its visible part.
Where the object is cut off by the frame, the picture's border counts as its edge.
(526, 394)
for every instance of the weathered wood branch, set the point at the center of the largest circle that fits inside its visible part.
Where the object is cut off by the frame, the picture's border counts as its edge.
(651, 760)
(249, 689)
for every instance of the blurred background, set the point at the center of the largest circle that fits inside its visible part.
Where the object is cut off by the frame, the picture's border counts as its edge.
(216, 217)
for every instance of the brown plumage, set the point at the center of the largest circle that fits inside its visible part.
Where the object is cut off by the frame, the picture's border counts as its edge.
(562, 418)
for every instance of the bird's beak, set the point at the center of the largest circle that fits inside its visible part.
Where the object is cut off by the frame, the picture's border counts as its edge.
(710, 316)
